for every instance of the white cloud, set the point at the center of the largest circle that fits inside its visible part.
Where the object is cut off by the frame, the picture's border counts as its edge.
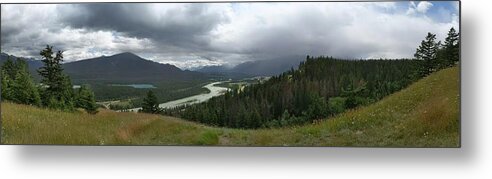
(422, 7)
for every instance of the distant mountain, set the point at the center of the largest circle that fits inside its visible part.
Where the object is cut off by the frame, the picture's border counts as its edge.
(126, 67)
(123, 68)
(266, 67)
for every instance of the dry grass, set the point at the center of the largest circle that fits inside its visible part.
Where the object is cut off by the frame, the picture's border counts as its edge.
(426, 114)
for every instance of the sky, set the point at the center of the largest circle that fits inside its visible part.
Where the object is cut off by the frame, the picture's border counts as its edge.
(193, 35)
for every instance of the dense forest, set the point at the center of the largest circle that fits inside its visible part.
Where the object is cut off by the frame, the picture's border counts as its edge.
(321, 87)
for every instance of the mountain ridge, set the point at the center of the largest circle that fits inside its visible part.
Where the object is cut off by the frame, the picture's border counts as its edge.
(122, 67)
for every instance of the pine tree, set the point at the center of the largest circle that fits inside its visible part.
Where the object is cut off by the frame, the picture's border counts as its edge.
(17, 84)
(58, 92)
(451, 48)
(23, 87)
(9, 68)
(8, 75)
(5, 87)
(67, 93)
(427, 52)
(85, 99)
(150, 103)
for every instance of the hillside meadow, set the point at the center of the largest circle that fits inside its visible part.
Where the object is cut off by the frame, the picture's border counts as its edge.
(426, 114)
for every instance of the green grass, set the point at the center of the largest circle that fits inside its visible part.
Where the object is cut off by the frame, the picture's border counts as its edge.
(426, 114)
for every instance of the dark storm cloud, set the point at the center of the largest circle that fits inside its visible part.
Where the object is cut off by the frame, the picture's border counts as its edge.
(6, 33)
(186, 26)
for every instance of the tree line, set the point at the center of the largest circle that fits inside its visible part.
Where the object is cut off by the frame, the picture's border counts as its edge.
(436, 55)
(321, 87)
(55, 90)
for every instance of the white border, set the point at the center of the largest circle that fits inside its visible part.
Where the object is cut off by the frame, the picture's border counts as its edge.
(473, 160)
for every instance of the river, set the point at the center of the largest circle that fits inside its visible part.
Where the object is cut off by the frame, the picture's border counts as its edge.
(214, 91)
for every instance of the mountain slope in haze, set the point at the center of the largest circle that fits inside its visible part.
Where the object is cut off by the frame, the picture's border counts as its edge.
(214, 69)
(223, 72)
(31, 62)
(426, 114)
(269, 67)
(126, 67)
(266, 67)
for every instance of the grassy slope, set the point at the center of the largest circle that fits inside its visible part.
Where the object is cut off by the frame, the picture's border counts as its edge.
(424, 114)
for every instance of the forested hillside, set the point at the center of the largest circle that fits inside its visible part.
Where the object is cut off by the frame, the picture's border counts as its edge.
(321, 87)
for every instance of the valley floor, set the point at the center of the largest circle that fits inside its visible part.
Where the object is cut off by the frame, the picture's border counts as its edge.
(426, 114)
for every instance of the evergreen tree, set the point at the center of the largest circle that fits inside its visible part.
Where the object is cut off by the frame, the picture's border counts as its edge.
(150, 103)
(427, 52)
(355, 95)
(5, 87)
(9, 68)
(58, 92)
(451, 48)
(8, 72)
(67, 93)
(23, 87)
(17, 84)
(318, 107)
(85, 99)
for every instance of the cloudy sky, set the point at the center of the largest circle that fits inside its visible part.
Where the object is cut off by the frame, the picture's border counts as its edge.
(190, 35)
